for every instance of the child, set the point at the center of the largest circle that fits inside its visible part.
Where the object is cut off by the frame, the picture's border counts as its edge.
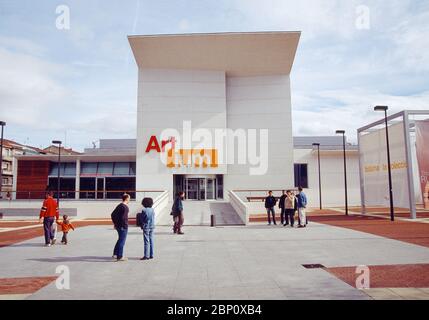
(65, 227)
(147, 224)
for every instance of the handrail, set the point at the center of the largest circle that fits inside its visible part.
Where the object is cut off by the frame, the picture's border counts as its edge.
(266, 190)
(75, 190)
(7, 195)
(239, 206)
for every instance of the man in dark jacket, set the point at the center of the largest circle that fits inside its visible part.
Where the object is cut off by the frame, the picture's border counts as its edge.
(177, 213)
(120, 221)
(270, 203)
(283, 217)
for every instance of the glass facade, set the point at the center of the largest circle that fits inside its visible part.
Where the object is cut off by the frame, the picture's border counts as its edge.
(66, 169)
(98, 180)
(108, 168)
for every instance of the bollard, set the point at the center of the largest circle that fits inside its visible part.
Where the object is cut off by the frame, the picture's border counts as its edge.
(212, 221)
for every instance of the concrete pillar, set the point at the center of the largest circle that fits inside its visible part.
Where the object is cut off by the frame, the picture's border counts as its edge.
(14, 176)
(77, 179)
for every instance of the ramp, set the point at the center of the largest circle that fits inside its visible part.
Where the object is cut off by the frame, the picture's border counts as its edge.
(197, 213)
(225, 214)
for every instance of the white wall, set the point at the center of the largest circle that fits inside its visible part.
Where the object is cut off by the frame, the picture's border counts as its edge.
(332, 177)
(166, 98)
(262, 103)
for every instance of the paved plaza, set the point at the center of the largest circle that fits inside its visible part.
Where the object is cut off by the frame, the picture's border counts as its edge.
(235, 262)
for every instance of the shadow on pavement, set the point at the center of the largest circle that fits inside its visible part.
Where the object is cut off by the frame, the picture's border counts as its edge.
(77, 259)
(28, 245)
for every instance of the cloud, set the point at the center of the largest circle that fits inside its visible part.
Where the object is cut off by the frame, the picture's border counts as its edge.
(28, 87)
(21, 45)
(356, 110)
(84, 81)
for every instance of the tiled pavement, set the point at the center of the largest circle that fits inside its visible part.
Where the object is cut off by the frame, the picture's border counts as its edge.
(252, 262)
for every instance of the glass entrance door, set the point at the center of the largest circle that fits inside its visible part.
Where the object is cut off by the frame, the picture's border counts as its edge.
(192, 189)
(211, 189)
(200, 188)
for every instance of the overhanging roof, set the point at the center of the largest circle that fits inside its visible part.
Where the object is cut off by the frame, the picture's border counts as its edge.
(238, 54)
(106, 157)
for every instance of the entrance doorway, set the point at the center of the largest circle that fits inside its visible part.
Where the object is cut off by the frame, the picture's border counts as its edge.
(200, 188)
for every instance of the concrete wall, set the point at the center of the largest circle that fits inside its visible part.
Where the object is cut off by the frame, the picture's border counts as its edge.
(81, 209)
(166, 98)
(262, 103)
(210, 101)
(332, 177)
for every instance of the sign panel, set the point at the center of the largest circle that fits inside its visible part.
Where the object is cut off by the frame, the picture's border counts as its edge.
(422, 151)
(373, 155)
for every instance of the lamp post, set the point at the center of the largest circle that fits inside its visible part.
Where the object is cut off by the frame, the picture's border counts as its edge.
(389, 168)
(342, 132)
(320, 181)
(58, 142)
(2, 124)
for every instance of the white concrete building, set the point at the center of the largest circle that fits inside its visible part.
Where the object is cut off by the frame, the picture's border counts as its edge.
(214, 120)
(331, 170)
(236, 81)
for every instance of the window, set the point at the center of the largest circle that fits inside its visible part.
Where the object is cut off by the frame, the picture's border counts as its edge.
(301, 175)
(66, 169)
(121, 169)
(116, 187)
(108, 168)
(105, 168)
(87, 187)
(132, 168)
(67, 187)
(88, 168)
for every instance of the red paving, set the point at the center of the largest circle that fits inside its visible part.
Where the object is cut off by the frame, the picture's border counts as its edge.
(399, 212)
(11, 237)
(23, 285)
(390, 276)
(406, 231)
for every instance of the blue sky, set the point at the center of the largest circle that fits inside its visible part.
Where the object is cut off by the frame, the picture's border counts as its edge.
(82, 83)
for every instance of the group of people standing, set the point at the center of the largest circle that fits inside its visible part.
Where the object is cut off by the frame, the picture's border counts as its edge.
(146, 221)
(289, 204)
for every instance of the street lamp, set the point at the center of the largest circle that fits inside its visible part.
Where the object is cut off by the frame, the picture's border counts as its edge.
(2, 124)
(58, 142)
(389, 168)
(345, 169)
(320, 181)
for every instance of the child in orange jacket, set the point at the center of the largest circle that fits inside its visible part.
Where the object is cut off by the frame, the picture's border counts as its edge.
(65, 227)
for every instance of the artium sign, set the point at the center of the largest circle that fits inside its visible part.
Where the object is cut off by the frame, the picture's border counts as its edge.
(210, 148)
(177, 158)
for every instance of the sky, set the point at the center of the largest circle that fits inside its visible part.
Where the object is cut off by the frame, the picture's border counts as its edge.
(80, 84)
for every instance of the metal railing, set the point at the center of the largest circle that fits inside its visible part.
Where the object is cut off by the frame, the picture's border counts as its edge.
(259, 195)
(70, 195)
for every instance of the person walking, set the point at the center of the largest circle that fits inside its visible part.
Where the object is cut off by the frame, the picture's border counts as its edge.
(65, 228)
(147, 224)
(283, 217)
(302, 204)
(290, 207)
(48, 214)
(120, 221)
(177, 213)
(270, 203)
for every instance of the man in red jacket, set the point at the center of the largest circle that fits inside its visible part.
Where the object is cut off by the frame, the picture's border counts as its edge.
(49, 213)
